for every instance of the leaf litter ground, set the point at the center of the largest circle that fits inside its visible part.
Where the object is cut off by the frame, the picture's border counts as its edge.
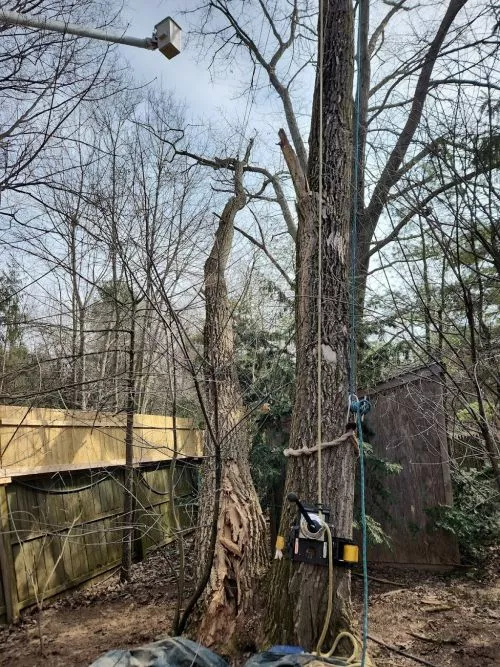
(447, 619)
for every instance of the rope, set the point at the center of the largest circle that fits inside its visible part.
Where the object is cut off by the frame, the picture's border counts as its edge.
(306, 451)
(356, 406)
(364, 558)
(354, 659)
(330, 597)
(319, 435)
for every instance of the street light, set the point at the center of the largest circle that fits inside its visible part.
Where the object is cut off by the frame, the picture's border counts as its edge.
(166, 35)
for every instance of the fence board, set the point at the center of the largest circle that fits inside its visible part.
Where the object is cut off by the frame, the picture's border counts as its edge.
(8, 591)
(61, 496)
(45, 440)
(49, 555)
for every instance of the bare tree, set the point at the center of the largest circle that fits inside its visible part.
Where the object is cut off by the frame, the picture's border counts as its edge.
(448, 55)
(44, 79)
(232, 27)
(446, 305)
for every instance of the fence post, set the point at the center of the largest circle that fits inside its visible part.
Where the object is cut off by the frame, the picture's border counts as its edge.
(6, 560)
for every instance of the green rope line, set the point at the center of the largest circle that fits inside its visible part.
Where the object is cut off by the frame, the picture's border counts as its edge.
(356, 406)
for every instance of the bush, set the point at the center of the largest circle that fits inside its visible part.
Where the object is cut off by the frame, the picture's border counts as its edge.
(474, 517)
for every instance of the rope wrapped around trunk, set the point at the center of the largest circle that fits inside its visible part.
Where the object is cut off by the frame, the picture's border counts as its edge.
(307, 451)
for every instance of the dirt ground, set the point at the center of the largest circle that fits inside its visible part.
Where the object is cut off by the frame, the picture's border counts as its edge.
(447, 620)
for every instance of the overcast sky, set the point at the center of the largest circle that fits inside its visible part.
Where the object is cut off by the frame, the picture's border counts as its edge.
(186, 78)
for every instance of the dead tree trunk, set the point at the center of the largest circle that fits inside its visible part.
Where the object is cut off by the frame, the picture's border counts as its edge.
(240, 556)
(298, 592)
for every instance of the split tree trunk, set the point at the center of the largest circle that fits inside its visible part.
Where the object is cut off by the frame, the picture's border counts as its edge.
(240, 556)
(298, 592)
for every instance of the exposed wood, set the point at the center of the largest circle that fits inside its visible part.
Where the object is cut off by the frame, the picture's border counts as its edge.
(297, 174)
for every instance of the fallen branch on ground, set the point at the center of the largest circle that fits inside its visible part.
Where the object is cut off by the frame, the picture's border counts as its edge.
(399, 652)
(425, 638)
(380, 581)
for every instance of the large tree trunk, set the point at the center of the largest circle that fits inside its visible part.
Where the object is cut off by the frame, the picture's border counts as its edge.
(240, 556)
(298, 592)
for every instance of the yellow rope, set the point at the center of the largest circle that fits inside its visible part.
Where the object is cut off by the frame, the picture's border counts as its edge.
(330, 594)
(307, 451)
(354, 660)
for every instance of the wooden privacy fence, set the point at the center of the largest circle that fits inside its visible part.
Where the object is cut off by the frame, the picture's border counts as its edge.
(409, 427)
(61, 495)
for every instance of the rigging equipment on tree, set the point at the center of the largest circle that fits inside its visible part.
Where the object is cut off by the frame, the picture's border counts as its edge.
(312, 536)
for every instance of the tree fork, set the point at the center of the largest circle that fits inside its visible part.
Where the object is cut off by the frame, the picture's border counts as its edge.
(370, 215)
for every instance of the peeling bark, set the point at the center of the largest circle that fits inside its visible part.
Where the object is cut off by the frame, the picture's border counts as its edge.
(240, 556)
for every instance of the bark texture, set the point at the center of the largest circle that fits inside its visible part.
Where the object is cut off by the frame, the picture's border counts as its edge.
(240, 557)
(298, 592)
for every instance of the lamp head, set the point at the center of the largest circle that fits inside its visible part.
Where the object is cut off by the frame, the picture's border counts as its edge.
(168, 36)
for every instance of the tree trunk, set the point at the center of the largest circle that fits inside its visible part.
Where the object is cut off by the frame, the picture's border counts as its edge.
(298, 592)
(173, 514)
(240, 557)
(129, 480)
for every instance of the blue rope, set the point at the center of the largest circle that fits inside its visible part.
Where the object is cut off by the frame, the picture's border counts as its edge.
(354, 228)
(359, 407)
(362, 406)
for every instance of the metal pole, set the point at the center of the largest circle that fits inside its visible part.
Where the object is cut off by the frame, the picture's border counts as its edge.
(14, 18)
